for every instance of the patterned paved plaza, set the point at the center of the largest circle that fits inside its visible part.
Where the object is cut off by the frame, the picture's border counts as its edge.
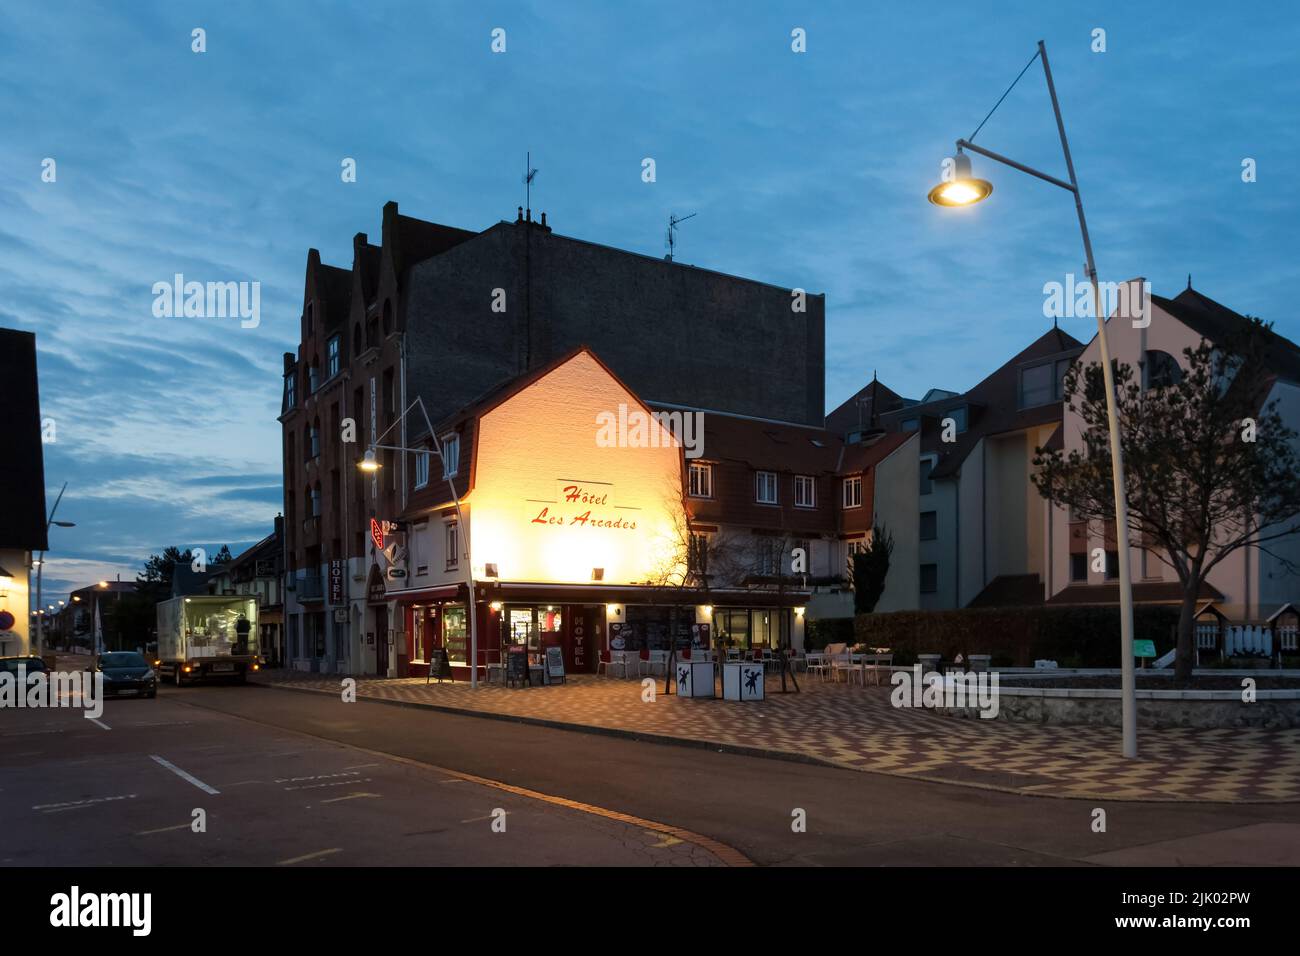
(856, 728)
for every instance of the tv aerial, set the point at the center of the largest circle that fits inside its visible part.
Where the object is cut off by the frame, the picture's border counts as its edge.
(670, 240)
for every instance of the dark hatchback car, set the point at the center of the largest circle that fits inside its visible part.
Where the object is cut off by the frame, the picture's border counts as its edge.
(30, 665)
(126, 672)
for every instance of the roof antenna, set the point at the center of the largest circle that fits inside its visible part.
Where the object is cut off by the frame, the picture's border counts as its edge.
(670, 243)
(529, 175)
(1189, 282)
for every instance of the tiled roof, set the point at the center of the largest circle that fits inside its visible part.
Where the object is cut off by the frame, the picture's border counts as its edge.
(1215, 322)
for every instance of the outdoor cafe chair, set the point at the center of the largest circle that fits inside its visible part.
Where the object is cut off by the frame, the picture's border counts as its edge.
(817, 663)
(657, 659)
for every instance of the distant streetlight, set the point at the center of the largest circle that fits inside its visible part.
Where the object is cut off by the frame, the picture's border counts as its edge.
(40, 566)
(963, 190)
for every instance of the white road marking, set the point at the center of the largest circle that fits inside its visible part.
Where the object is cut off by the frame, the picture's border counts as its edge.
(361, 766)
(98, 722)
(179, 826)
(318, 776)
(334, 783)
(188, 778)
(78, 804)
(350, 796)
(310, 856)
(31, 733)
(490, 816)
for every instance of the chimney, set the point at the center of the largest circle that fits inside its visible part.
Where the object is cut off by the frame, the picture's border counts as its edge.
(520, 216)
(543, 220)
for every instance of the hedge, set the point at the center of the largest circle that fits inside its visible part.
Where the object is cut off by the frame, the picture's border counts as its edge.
(1086, 636)
(827, 630)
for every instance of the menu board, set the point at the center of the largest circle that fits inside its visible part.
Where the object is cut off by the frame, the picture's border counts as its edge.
(554, 664)
(439, 666)
(517, 665)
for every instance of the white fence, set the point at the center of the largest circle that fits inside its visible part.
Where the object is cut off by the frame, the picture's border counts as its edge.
(1247, 639)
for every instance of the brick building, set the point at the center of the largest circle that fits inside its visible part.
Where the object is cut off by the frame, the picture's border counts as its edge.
(448, 314)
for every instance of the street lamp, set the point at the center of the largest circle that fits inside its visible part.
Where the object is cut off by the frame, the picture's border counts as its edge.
(369, 463)
(40, 566)
(964, 190)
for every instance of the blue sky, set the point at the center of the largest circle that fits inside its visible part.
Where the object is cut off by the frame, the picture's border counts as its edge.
(806, 170)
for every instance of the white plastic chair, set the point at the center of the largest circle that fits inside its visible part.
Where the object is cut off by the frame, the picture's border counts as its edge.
(657, 659)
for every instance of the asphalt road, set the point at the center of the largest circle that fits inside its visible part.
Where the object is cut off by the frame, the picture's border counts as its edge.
(370, 783)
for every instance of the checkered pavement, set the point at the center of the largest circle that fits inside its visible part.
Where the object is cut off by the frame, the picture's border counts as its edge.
(855, 727)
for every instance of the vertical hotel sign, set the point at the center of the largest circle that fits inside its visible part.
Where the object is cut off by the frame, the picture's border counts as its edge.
(336, 582)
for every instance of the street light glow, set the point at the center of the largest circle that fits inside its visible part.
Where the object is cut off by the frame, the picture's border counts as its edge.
(369, 462)
(963, 189)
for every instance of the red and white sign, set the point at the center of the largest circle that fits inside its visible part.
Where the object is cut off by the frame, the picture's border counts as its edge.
(377, 534)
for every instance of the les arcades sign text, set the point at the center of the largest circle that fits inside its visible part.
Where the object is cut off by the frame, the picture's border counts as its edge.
(583, 505)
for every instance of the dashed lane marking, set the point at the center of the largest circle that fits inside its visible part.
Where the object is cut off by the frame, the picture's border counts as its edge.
(310, 856)
(79, 804)
(179, 826)
(351, 796)
(187, 777)
(99, 723)
(332, 783)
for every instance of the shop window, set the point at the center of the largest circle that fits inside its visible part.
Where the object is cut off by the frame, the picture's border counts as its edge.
(455, 634)
(853, 492)
(701, 480)
(765, 491)
(805, 491)
(418, 650)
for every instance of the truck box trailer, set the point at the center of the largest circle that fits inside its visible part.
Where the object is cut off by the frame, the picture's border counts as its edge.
(205, 637)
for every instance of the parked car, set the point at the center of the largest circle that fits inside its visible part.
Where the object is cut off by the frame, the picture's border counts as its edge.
(127, 672)
(31, 664)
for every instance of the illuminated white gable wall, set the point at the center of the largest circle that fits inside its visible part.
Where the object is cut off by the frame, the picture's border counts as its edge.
(626, 505)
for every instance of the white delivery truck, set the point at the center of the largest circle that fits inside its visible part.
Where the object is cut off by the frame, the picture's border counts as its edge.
(205, 636)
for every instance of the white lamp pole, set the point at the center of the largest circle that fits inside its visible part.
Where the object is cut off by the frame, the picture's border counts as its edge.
(371, 463)
(966, 191)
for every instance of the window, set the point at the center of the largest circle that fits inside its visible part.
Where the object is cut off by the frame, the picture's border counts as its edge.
(419, 547)
(450, 455)
(313, 440)
(701, 480)
(853, 492)
(313, 377)
(421, 469)
(332, 353)
(453, 634)
(453, 545)
(1079, 566)
(290, 391)
(927, 465)
(1161, 369)
(1044, 383)
(1112, 565)
(909, 424)
(768, 557)
(805, 491)
(766, 488)
(960, 416)
(929, 578)
(417, 633)
(313, 500)
(929, 525)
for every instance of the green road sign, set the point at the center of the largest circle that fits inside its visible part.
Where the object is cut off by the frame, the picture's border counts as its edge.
(1144, 648)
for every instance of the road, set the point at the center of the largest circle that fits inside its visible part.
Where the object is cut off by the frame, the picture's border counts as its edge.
(306, 780)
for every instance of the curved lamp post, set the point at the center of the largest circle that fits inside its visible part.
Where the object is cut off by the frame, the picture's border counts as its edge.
(370, 463)
(965, 190)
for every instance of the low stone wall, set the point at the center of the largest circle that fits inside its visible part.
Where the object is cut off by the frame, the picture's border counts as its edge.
(1203, 710)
